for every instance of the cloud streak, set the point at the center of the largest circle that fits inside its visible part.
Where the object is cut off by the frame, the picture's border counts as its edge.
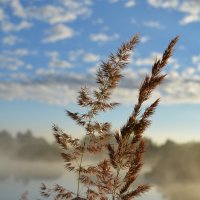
(58, 32)
(11, 40)
(102, 37)
(11, 27)
(154, 24)
(61, 88)
(191, 8)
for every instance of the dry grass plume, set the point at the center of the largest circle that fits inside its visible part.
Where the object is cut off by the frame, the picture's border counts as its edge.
(105, 180)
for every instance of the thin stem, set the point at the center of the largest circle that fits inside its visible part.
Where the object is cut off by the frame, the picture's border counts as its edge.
(117, 176)
(119, 166)
(79, 172)
(80, 165)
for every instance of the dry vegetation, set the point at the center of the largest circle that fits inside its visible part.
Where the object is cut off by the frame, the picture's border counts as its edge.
(115, 175)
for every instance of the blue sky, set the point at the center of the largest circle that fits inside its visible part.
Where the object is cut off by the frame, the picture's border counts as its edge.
(49, 49)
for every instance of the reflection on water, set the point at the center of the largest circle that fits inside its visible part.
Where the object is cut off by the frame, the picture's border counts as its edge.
(12, 189)
(16, 177)
(181, 191)
(26, 171)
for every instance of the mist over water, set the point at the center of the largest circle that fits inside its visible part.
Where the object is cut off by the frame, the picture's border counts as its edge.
(26, 171)
(172, 169)
(17, 177)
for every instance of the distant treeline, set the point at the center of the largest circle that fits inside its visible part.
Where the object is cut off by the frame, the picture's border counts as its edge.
(27, 147)
(175, 163)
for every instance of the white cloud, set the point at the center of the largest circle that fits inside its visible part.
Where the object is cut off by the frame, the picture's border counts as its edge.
(80, 8)
(11, 40)
(76, 4)
(189, 19)
(51, 14)
(16, 75)
(102, 37)
(54, 87)
(113, 1)
(191, 8)
(82, 55)
(9, 27)
(148, 61)
(196, 61)
(74, 55)
(90, 57)
(164, 3)
(154, 24)
(10, 63)
(52, 54)
(56, 62)
(13, 60)
(47, 93)
(189, 71)
(67, 17)
(127, 3)
(2, 15)
(60, 12)
(130, 4)
(93, 70)
(45, 71)
(64, 11)
(144, 39)
(183, 87)
(59, 32)
(179, 87)
(18, 9)
(20, 52)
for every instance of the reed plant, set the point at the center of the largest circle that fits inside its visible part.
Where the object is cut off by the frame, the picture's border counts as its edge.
(114, 176)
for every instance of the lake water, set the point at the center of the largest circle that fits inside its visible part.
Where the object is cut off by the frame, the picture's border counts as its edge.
(17, 177)
(11, 189)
